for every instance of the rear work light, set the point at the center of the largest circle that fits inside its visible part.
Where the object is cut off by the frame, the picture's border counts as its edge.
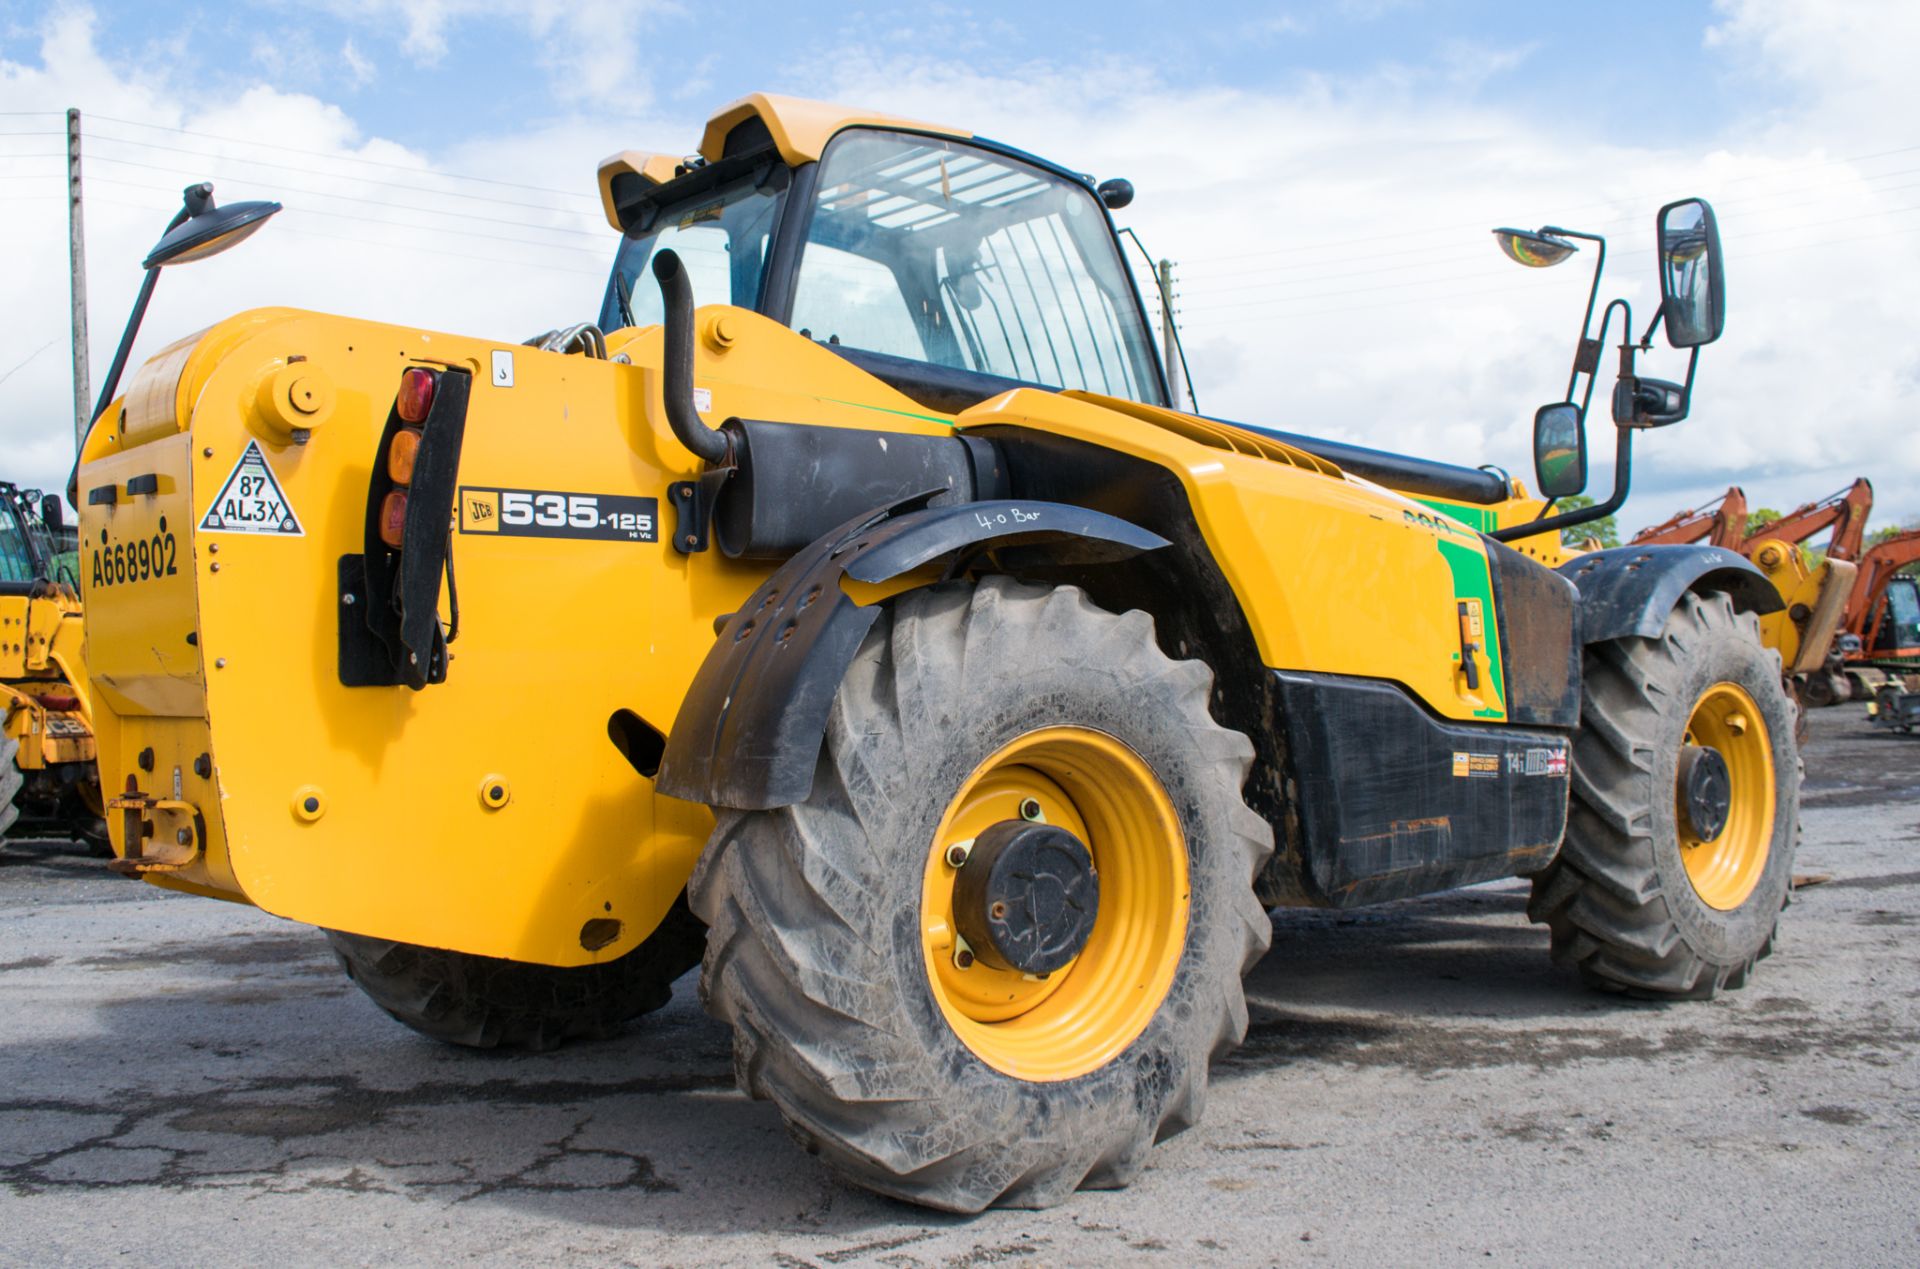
(393, 518)
(416, 394)
(400, 455)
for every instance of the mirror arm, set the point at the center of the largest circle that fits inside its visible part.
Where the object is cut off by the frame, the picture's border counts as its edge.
(1626, 351)
(1646, 336)
(112, 381)
(1622, 479)
(1593, 297)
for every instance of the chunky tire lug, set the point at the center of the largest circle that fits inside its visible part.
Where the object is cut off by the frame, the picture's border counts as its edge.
(1618, 899)
(815, 952)
(11, 782)
(484, 1003)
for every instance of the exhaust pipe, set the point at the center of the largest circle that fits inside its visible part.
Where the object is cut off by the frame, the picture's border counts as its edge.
(676, 378)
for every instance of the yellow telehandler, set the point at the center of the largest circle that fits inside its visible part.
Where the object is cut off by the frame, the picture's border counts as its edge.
(847, 606)
(49, 786)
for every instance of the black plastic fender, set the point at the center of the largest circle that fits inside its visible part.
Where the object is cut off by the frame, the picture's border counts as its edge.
(749, 729)
(1631, 590)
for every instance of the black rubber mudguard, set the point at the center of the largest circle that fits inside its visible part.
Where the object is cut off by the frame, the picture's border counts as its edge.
(1631, 590)
(749, 729)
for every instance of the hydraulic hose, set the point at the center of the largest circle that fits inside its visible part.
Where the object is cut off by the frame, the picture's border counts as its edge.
(676, 371)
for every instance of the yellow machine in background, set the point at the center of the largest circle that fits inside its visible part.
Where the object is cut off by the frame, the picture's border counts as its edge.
(49, 785)
(848, 605)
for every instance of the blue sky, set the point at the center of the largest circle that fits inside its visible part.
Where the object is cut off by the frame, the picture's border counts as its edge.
(1267, 143)
(1597, 60)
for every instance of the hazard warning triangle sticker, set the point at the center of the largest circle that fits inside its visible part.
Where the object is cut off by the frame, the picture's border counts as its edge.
(252, 501)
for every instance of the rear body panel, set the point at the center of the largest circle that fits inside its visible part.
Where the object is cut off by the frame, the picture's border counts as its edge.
(362, 808)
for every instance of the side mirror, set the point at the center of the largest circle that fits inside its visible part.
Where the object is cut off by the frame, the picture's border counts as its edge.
(52, 514)
(1116, 192)
(1693, 289)
(1559, 450)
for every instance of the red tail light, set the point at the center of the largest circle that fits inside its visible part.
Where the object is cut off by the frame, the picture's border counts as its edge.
(400, 455)
(393, 518)
(416, 394)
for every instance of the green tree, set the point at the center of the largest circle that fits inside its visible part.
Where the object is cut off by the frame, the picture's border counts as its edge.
(1760, 519)
(1605, 530)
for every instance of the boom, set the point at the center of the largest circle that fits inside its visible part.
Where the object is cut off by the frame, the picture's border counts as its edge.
(1846, 511)
(1722, 522)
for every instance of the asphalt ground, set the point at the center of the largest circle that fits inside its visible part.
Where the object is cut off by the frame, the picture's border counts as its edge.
(186, 1082)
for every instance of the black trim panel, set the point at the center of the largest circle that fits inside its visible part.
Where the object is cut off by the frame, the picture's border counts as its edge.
(1393, 802)
(1538, 617)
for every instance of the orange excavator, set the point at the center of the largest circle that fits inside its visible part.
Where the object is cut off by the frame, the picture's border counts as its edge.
(1846, 512)
(1883, 611)
(1722, 522)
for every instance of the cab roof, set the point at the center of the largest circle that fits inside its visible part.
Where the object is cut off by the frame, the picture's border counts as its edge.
(799, 129)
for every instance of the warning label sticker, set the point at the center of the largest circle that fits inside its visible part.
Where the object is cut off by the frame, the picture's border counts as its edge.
(252, 501)
(1476, 766)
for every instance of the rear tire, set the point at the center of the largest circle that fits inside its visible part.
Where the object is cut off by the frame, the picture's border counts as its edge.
(824, 952)
(483, 1002)
(11, 782)
(1627, 904)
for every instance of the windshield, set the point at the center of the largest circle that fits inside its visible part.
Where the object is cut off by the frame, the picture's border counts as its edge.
(16, 563)
(941, 252)
(720, 235)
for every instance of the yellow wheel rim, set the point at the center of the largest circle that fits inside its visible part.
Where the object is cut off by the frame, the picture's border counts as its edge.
(1080, 1017)
(1724, 871)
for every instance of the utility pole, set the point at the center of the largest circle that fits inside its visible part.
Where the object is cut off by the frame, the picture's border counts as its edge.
(77, 252)
(1169, 349)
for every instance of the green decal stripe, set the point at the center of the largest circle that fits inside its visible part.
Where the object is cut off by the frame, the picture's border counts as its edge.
(1479, 519)
(881, 409)
(1473, 580)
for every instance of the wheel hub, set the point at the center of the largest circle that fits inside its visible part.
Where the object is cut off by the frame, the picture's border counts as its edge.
(1706, 791)
(1026, 897)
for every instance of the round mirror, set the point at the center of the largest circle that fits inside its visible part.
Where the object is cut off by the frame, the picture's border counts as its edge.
(1536, 251)
(206, 230)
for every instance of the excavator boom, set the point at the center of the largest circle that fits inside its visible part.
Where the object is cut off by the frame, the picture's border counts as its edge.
(1722, 522)
(1845, 511)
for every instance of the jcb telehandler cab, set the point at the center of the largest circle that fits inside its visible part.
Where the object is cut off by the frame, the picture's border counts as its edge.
(847, 605)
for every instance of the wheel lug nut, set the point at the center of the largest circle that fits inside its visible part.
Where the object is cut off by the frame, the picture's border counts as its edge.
(1029, 809)
(956, 855)
(964, 959)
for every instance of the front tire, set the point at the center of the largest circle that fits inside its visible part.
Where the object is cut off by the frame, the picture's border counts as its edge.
(11, 782)
(914, 1070)
(483, 1002)
(1645, 897)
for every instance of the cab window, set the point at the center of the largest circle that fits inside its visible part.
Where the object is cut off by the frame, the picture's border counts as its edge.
(938, 251)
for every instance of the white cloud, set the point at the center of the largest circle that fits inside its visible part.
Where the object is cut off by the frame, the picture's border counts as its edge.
(592, 52)
(1336, 273)
(361, 66)
(1337, 276)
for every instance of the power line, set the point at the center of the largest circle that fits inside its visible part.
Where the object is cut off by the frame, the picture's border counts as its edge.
(1857, 158)
(364, 180)
(1503, 290)
(373, 202)
(398, 167)
(1765, 200)
(303, 232)
(362, 219)
(1410, 284)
